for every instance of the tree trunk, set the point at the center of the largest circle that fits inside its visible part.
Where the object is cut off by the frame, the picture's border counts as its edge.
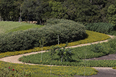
(62, 58)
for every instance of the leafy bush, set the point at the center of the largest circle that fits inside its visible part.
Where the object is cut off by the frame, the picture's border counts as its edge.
(99, 48)
(100, 27)
(112, 45)
(69, 31)
(64, 54)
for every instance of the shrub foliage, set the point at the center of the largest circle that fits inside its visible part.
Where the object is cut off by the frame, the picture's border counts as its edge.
(21, 40)
(100, 27)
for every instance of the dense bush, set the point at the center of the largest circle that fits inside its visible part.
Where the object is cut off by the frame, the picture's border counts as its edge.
(100, 27)
(112, 45)
(67, 30)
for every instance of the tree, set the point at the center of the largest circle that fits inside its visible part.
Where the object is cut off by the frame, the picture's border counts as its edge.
(112, 14)
(35, 10)
(10, 9)
(64, 54)
(28, 9)
(58, 11)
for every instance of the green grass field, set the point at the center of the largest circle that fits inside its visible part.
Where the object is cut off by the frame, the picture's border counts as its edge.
(9, 26)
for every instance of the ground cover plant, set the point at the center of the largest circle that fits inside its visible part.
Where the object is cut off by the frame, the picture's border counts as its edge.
(10, 72)
(50, 71)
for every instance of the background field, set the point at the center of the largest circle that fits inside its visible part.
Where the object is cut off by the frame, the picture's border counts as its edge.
(9, 26)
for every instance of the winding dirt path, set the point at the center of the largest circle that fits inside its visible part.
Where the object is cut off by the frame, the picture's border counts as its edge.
(102, 70)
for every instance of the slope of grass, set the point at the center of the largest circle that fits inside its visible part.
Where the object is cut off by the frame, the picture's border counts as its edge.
(53, 70)
(9, 26)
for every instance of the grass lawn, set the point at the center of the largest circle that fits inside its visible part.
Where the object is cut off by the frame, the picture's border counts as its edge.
(9, 26)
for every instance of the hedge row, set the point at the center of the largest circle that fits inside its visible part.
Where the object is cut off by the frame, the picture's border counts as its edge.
(23, 40)
(92, 37)
(100, 27)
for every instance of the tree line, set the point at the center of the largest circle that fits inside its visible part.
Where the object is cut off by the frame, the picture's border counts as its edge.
(83, 11)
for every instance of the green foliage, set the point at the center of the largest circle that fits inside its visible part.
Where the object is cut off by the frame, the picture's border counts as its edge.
(92, 37)
(100, 27)
(10, 72)
(53, 50)
(112, 46)
(44, 71)
(64, 54)
(23, 40)
(88, 11)
(97, 48)
(79, 53)
(111, 14)
(58, 11)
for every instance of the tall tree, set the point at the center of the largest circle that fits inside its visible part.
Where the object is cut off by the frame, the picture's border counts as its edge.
(58, 11)
(112, 14)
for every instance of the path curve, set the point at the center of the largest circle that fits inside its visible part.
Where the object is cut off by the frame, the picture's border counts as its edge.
(14, 59)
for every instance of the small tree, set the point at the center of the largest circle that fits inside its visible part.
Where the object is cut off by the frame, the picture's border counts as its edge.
(53, 50)
(64, 54)
(42, 43)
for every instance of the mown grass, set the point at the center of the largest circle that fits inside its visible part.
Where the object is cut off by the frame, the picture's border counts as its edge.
(9, 26)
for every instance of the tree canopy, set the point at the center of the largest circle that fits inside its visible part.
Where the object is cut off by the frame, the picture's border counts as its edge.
(84, 11)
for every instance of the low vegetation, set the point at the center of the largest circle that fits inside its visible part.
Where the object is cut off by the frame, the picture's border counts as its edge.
(24, 40)
(100, 27)
(75, 66)
(94, 36)
(50, 71)
(79, 54)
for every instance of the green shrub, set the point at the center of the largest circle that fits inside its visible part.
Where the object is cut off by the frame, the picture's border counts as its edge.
(23, 40)
(100, 48)
(97, 48)
(100, 27)
(112, 45)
